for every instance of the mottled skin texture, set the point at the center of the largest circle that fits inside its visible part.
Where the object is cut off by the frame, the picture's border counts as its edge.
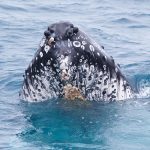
(67, 57)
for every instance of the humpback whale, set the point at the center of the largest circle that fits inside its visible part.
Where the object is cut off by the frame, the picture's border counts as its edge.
(69, 64)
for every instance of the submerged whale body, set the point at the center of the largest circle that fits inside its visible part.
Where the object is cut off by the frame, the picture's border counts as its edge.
(70, 65)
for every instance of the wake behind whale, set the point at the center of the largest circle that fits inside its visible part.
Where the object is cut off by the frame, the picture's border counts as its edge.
(70, 65)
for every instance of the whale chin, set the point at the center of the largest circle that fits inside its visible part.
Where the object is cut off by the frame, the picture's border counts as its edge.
(68, 64)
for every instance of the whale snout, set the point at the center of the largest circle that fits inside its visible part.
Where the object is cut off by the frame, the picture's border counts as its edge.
(61, 31)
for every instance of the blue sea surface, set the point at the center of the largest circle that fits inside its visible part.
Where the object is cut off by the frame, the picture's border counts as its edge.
(123, 28)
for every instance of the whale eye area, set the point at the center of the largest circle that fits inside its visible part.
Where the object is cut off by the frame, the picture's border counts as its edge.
(75, 29)
(51, 31)
(71, 26)
(47, 33)
(71, 30)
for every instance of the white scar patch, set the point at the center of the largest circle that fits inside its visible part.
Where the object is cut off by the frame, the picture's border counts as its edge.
(76, 44)
(64, 67)
(42, 42)
(84, 42)
(64, 63)
(69, 43)
(41, 54)
(92, 48)
(64, 75)
(50, 41)
(83, 47)
(46, 48)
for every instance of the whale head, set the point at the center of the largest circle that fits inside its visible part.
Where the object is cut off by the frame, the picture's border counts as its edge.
(71, 65)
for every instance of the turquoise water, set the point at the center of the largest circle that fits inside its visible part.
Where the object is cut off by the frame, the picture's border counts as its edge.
(123, 27)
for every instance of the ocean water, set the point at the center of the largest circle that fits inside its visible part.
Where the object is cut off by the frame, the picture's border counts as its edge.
(123, 27)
